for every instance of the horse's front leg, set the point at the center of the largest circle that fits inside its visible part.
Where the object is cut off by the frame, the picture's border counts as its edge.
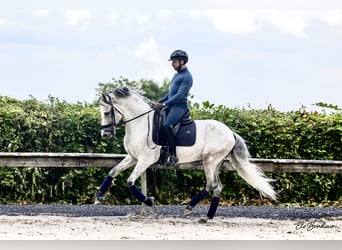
(139, 169)
(127, 162)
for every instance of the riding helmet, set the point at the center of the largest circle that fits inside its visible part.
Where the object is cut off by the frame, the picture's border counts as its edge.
(179, 54)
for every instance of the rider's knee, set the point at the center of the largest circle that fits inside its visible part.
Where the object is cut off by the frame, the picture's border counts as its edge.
(166, 126)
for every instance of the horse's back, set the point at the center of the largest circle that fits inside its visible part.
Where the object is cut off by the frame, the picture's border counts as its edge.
(214, 126)
(217, 133)
(213, 138)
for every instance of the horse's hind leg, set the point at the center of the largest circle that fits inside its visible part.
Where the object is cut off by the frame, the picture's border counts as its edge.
(217, 190)
(194, 201)
(127, 162)
(213, 181)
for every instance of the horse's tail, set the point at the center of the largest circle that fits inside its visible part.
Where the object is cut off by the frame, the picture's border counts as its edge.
(250, 172)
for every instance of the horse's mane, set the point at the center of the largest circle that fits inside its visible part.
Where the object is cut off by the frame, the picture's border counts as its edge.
(127, 91)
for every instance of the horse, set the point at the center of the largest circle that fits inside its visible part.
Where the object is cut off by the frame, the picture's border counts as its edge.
(214, 143)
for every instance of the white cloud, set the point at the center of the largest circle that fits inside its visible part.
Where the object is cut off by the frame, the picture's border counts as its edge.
(332, 17)
(291, 22)
(114, 52)
(4, 23)
(41, 13)
(154, 66)
(230, 21)
(113, 18)
(143, 20)
(296, 22)
(78, 18)
(148, 51)
(234, 21)
(131, 21)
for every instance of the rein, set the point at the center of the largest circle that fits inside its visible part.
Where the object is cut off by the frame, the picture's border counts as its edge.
(134, 118)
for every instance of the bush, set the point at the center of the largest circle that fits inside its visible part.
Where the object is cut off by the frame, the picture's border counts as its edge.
(57, 126)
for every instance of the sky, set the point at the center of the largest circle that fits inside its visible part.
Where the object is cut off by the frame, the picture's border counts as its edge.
(287, 54)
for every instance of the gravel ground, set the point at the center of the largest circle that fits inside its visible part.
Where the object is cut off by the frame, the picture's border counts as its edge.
(265, 212)
(90, 222)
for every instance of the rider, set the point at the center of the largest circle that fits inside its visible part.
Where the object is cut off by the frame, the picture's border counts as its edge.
(175, 101)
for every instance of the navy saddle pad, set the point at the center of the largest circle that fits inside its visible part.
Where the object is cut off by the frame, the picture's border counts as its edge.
(185, 130)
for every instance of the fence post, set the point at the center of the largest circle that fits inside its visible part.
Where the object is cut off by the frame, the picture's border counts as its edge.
(144, 183)
(145, 210)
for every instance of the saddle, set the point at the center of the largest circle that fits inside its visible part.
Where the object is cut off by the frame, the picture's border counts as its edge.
(184, 131)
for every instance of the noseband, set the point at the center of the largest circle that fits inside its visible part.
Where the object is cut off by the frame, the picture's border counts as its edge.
(112, 113)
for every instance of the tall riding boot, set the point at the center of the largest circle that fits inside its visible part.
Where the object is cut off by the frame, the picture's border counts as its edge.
(173, 160)
(164, 154)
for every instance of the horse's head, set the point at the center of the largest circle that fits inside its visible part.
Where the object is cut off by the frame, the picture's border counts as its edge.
(110, 116)
(119, 102)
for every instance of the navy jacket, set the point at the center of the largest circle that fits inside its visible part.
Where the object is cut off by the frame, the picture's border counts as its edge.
(179, 89)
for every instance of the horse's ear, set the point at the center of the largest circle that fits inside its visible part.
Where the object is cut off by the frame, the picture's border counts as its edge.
(106, 98)
(121, 92)
(126, 90)
(118, 92)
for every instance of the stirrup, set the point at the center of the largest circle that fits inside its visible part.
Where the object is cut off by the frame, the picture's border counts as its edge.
(172, 161)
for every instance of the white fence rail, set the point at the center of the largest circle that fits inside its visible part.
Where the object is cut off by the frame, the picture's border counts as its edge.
(110, 160)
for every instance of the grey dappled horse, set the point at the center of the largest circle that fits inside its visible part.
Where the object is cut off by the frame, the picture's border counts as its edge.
(214, 142)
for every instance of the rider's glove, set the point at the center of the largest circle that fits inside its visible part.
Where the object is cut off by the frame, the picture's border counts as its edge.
(158, 105)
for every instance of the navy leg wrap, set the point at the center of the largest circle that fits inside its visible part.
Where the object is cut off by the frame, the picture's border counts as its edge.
(148, 202)
(105, 184)
(213, 207)
(137, 193)
(198, 197)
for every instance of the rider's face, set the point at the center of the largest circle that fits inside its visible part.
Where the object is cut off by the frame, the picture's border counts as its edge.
(176, 63)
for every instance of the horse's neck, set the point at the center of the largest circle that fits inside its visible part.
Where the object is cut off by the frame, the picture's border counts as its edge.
(131, 111)
(135, 129)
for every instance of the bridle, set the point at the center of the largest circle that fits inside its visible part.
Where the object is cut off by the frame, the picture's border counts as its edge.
(112, 113)
(113, 123)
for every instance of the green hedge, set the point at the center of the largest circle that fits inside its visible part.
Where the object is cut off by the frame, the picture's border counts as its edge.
(57, 126)
(274, 134)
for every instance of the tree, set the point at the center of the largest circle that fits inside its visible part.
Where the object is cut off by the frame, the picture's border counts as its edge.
(152, 90)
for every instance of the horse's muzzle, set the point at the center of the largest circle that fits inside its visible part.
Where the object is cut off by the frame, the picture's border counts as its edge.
(108, 133)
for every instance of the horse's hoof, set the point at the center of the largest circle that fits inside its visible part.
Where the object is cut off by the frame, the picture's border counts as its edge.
(147, 210)
(152, 200)
(188, 210)
(99, 198)
(203, 220)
